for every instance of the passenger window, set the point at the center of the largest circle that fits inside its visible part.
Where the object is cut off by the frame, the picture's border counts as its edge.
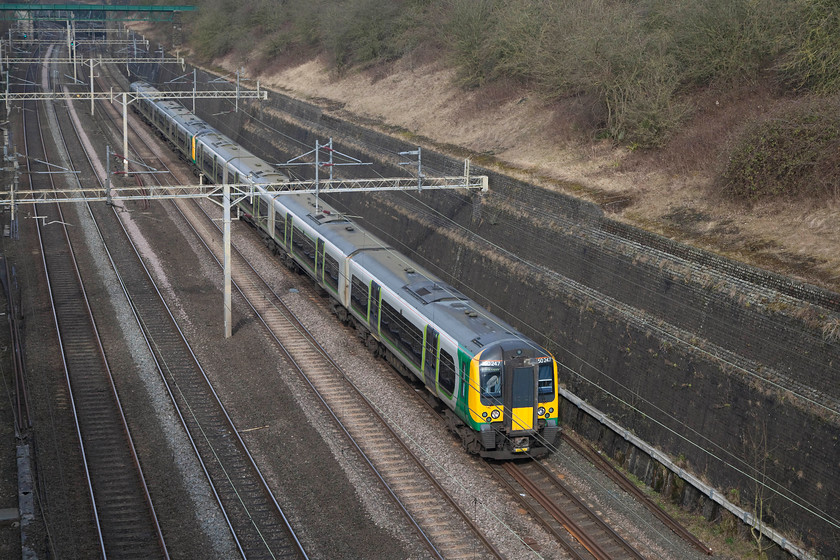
(304, 247)
(399, 330)
(279, 226)
(330, 271)
(359, 296)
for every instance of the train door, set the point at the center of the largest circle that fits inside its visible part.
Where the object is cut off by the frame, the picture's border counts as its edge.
(319, 260)
(374, 307)
(288, 233)
(430, 359)
(520, 394)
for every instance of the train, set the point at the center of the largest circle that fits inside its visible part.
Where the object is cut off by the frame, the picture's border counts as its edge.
(496, 388)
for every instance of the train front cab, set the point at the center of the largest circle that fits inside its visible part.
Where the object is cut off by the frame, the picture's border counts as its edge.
(513, 401)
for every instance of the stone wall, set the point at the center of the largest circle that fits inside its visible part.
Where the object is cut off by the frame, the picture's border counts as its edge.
(726, 367)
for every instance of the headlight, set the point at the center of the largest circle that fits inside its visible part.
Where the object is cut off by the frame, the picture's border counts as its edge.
(494, 415)
(540, 411)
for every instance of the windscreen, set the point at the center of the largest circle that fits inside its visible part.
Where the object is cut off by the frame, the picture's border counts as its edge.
(491, 385)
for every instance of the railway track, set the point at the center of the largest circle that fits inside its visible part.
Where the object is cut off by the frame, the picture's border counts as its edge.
(126, 523)
(447, 529)
(334, 391)
(585, 535)
(441, 523)
(598, 541)
(20, 410)
(258, 525)
(628, 486)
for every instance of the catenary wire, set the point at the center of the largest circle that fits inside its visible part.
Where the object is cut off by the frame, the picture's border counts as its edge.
(594, 368)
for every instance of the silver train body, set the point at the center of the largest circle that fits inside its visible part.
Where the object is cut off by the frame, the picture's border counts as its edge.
(498, 387)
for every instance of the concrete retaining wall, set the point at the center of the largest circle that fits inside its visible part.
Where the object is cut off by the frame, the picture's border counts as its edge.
(724, 367)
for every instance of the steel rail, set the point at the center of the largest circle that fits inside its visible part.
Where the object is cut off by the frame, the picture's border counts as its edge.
(577, 532)
(22, 416)
(154, 344)
(112, 532)
(130, 442)
(65, 367)
(60, 342)
(607, 468)
(136, 459)
(357, 445)
(581, 523)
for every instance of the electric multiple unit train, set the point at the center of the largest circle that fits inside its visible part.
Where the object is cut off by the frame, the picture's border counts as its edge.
(499, 388)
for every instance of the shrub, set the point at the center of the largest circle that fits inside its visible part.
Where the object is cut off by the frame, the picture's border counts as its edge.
(361, 32)
(720, 40)
(632, 62)
(814, 58)
(467, 28)
(213, 35)
(793, 153)
(601, 50)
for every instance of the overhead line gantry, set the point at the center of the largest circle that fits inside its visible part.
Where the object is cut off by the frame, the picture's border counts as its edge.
(76, 11)
(231, 194)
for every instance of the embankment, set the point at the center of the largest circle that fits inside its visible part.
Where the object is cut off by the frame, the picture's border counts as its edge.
(732, 371)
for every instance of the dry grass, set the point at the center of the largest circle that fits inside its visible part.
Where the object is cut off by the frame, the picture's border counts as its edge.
(544, 142)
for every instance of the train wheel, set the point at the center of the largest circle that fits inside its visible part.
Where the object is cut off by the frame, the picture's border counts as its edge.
(372, 345)
(340, 312)
(361, 330)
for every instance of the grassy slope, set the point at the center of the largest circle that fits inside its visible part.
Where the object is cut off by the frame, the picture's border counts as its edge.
(667, 190)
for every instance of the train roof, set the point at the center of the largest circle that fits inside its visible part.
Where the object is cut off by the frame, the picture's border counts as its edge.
(453, 312)
(177, 112)
(335, 227)
(249, 166)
